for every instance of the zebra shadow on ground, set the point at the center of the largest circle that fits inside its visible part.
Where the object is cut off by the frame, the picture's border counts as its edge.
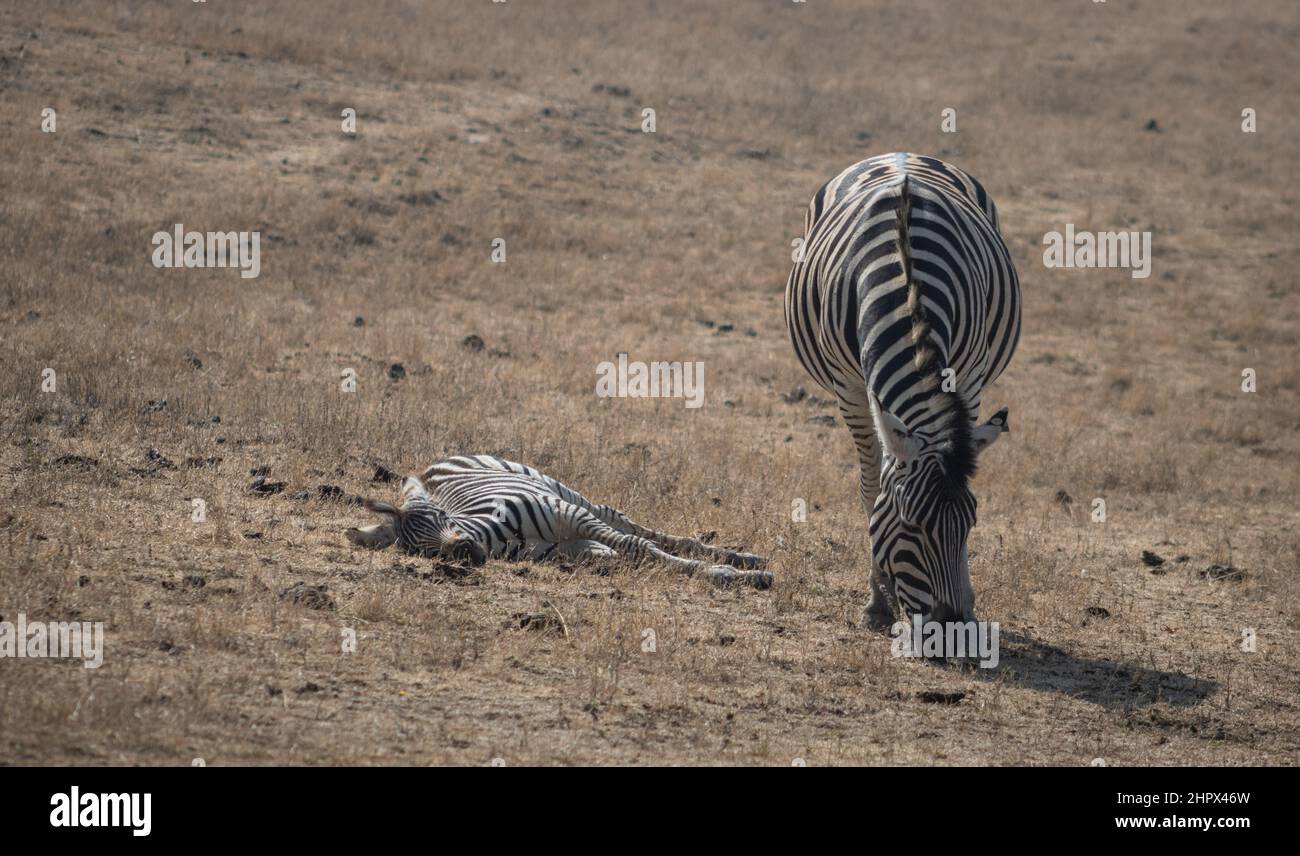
(1027, 662)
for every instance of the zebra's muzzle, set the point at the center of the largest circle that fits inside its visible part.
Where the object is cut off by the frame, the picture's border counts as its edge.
(943, 613)
(463, 550)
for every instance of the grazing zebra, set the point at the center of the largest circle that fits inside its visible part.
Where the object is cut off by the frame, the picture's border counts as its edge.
(479, 507)
(904, 303)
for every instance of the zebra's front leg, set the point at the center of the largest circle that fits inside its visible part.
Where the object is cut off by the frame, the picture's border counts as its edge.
(583, 525)
(582, 550)
(882, 606)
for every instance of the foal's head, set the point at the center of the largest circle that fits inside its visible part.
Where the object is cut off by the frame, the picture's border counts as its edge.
(417, 526)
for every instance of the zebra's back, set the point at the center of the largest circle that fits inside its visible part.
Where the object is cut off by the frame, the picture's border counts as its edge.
(473, 484)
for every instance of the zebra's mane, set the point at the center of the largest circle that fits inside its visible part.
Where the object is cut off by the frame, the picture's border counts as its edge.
(959, 450)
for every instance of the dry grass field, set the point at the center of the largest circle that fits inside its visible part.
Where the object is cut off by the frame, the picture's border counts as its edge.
(521, 121)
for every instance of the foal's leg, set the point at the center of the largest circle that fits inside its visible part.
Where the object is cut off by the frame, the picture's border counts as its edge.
(678, 544)
(670, 543)
(683, 545)
(582, 550)
(580, 524)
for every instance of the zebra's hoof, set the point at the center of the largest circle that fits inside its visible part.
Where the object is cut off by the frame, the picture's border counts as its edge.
(878, 621)
(723, 575)
(748, 561)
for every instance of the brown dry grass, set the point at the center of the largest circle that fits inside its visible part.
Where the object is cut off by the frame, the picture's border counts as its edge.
(226, 116)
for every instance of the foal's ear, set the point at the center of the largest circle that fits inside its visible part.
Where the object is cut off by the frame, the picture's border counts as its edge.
(413, 488)
(988, 433)
(380, 507)
(375, 537)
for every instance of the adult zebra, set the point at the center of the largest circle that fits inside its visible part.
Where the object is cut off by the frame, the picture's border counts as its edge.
(904, 303)
(476, 507)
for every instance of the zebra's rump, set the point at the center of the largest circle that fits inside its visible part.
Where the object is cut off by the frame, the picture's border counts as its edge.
(883, 170)
(883, 235)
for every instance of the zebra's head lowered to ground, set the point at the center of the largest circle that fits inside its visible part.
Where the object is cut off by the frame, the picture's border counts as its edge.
(925, 511)
(417, 526)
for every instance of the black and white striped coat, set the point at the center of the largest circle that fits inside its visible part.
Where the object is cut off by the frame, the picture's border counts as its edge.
(478, 507)
(904, 304)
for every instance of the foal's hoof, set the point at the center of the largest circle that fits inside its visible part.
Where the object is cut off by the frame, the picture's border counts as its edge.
(724, 575)
(748, 561)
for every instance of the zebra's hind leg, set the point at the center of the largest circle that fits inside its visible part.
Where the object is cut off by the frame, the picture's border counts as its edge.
(679, 545)
(585, 526)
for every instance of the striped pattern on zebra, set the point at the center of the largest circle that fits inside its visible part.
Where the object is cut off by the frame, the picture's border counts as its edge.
(477, 507)
(904, 304)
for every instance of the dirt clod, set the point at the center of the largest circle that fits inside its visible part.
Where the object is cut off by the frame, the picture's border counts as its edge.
(312, 597)
(1224, 572)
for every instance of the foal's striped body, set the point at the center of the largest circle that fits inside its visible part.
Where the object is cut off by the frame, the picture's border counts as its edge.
(480, 507)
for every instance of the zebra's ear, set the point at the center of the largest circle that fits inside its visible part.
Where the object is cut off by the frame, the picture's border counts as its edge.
(413, 488)
(988, 433)
(375, 537)
(380, 508)
(899, 442)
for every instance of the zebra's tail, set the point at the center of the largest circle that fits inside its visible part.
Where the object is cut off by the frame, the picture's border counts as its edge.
(961, 459)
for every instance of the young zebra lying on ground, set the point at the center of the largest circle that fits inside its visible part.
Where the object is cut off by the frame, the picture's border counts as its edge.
(480, 507)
